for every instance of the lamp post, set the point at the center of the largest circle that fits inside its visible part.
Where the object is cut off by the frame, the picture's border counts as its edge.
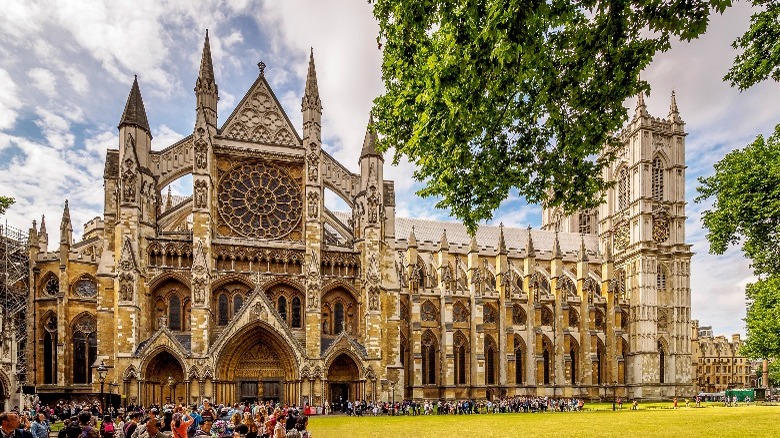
(171, 382)
(102, 370)
(392, 402)
(614, 396)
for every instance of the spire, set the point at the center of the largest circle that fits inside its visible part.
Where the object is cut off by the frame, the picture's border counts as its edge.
(529, 248)
(311, 96)
(206, 73)
(206, 90)
(135, 113)
(474, 247)
(168, 200)
(583, 250)
(444, 245)
(411, 242)
(370, 140)
(501, 242)
(641, 108)
(43, 226)
(557, 253)
(66, 227)
(674, 113)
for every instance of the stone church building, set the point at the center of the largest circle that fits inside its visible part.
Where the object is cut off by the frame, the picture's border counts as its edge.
(252, 289)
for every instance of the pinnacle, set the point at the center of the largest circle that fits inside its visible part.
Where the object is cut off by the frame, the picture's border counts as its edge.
(641, 108)
(501, 241)
(311, 96)
(135, 113)
(412, 240)
(529, 249)
(370, 140)
(206, 66)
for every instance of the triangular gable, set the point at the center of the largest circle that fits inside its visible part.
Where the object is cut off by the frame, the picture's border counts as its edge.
(257, 307)
(260, 118)
(345, 342)
(162, 338)
(127, 261)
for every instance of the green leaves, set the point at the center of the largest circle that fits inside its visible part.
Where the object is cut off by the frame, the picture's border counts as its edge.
(763, 319)
(490, 96)
(746, 203)
(760, 58)
(5, 202)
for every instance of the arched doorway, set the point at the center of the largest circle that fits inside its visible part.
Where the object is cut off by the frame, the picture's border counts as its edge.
(257, 365)
(163, 380)
(343, 381)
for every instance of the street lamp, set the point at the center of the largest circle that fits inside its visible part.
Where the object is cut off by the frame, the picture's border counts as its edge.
(392, 403)
(614, 392)
(102, 370)
(171, 382)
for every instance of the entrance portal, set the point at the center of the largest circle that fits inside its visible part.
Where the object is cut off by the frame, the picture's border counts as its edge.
(339, 393)
(343, 376)
(272, 391)
(164, 382)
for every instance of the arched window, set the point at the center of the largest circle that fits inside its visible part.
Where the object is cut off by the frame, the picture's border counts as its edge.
(50, 350)
(586, 224)
(223, 313)
(282, 307)
(84, 348)
(624, 188)
(546, 357)
(518, 315)
(662, 362)
(460, 359)
(490, 359)
(519, 364)
(573, 365)
(660, 279)
(338, 318)
(238, 301)
(296, 312)
(51, 286)
(574, 319)
(658, 180)
(174, 312)
(601, 354)
(429, 345)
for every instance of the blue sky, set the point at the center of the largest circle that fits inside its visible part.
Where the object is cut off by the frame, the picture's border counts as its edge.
(67, 68)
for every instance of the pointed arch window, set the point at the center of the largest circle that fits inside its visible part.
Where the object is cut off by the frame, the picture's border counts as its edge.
(658, 179)
(282, 307)
(238, 302)
(546, 358)
(429, 348)
(573, 365)
(174, 312)
(50, 350)
(624, 188)
(296, 312)
(223, 313)
(338, 318)
(519, 364)
(461, 359)
(490, 359)
(601, 354)
(518, 315)
(84, 348)
(661, 362)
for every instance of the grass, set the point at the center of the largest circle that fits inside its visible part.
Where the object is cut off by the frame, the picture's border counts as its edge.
(651, 420)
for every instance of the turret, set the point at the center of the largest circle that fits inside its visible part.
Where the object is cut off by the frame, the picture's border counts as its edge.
(674, 115)
(135, 143)
(206, 91)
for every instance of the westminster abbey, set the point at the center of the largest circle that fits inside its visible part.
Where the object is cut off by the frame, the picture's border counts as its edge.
(251, 289)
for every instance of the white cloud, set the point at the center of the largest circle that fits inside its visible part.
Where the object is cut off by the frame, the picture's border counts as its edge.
(43, 80)
(9, 101)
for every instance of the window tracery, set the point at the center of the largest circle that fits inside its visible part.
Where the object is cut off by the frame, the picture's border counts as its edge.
(489, 315)
(428, 312)
(52, 286)
(624, 188)
(518, 315)
(85, 288)
(658, 180)
(84, 348)
(460, 313)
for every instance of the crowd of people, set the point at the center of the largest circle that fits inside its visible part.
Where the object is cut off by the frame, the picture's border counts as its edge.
(465, 407)
(242, 420)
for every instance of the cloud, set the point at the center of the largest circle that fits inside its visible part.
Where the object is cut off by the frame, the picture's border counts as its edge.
(9, 101)
(43, 80)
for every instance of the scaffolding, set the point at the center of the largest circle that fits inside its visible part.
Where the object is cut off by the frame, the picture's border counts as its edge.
(14, 292)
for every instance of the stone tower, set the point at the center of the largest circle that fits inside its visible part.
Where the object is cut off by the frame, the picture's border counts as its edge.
(642, 232)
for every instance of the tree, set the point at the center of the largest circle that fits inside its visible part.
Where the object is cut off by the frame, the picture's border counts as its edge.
(746, 193)
(760, 58)
(763, 319)
(5, 202)
(486, 96)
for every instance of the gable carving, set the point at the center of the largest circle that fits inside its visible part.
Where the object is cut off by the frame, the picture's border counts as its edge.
(259, 118)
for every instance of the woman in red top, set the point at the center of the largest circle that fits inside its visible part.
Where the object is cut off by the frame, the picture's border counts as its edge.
(180, 424)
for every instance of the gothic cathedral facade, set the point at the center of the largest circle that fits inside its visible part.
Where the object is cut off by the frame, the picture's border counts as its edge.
(251, 289)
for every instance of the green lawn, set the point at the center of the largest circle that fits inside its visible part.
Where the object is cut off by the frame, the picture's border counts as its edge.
(652, 420)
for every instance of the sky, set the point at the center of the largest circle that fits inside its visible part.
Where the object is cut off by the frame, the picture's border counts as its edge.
(66, 69)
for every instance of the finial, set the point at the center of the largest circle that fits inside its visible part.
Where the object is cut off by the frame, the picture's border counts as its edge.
(412, 240)
(557, 253)
(501, 242)
(474, 247)
(261, 66)
(583, 250)
(444, 244)
(529, 248)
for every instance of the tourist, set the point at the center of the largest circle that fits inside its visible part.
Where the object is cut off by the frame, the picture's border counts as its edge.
(205, 428)
(132, 424)
(39, 427)
(279, 430)
(153, 429)
(107, 427)
(180, 424)
(300, 426)
(9, 424)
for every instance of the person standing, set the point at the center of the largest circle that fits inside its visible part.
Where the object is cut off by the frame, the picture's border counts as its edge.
(40, 427)
(9, 426)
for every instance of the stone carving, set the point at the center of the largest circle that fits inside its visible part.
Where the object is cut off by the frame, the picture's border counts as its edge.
(313, 202)
(373, 298)
(200, 274)
(261, 120)
(201, 152)
(446, 277)
(414, 278)
(372, 270)
(389, 195)
(259, 312)
(201, 194)
(129, 178)
(400, 266)
(127, 270)
(660, 225)
(373, 205)
(312, 162)
(313, 281)
(260, 200)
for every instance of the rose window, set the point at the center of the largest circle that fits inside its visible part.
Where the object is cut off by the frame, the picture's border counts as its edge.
(259, 200)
